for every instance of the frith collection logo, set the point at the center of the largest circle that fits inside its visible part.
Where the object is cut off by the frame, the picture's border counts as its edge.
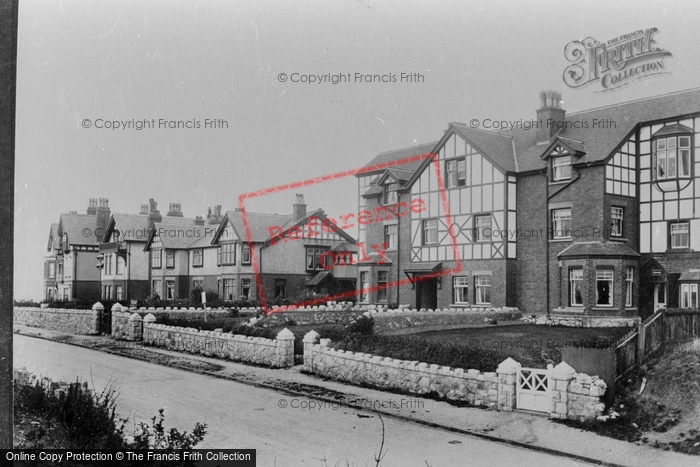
(614, 63)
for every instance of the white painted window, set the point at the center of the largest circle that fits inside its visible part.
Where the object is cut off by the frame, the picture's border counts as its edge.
(689, 296)
(576, 287)
(430, 231)
(561, 223)
(460, 285)
(561, 168)
(482, 284)
(680, 235)
(382, 283)
(617, 214)
(629, 283)
(391, 236)
(604, 279)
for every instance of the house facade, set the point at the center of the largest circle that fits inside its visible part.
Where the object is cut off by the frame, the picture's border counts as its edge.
(73, 248)
(590, 214)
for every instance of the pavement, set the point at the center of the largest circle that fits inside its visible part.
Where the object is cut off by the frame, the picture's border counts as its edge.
(527, 430)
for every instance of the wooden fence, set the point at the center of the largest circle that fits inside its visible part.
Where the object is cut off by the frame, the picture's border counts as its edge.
(662, 328)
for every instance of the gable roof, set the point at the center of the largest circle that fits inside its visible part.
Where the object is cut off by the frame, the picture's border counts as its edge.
(80, 229)
(600, 143)
(177, 236)
(257, 222)
(53, 237)
(400, 156)
(496, 146)
(321, 216)
(132, 227)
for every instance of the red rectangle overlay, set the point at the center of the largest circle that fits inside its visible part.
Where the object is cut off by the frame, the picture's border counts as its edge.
(255, 262)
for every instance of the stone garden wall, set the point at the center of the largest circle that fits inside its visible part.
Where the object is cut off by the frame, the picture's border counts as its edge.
(277, 352)
(58, 319)
(574, 396)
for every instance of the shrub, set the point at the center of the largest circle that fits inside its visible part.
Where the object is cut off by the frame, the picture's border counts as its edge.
(77, 418)
(409, 348)
(362, 325)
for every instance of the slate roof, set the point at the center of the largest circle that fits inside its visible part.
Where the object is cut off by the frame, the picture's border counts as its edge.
(179, 237)
(53, 237)
(75, 226)
(398, 155)
(132, 227)
(690, 275)
(517, 150)
(598, 249)
(599, 143)
(258, 224)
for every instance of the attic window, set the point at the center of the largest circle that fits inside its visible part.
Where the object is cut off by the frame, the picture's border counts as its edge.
(390, 193)
(672, 151)
(561, 168)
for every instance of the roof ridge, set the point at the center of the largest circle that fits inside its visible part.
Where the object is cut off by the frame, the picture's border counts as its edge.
(408, 147)
(489, 132)
(641, 99)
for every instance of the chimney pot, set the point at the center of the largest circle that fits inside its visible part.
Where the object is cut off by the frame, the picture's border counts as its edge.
(299, 208)
(551, 117)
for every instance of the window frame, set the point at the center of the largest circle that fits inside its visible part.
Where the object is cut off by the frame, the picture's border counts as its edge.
(554, 221)
(382, 292)
(245, 253)
(611, 293)
(157, 287)
(246, 283)
(677, 150)
(390, 195)
(614, 225)
(671, 234)
(155, 255)
(477, 230)
(170, 259)
(688, 299)
(455, 162)
(388, 236)
(557, 165)
(574, 283)
(478, 300)
(280, 282)
(365, 279)
(424, 230)
(463, 287)
(316, 255)
(629, 286)
(228, 284)
(198, 253)
(227, 254)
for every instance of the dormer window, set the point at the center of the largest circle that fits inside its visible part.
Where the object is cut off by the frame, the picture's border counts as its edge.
(390, 193)
(561, 168)
(672, 152)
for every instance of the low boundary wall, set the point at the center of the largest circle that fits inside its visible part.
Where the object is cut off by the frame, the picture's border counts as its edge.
(571, 395)
(278, 353)
(59, 319)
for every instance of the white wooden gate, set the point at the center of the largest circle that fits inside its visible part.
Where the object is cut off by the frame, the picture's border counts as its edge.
(533, 390)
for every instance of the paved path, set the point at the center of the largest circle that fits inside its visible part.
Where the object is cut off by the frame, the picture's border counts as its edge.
(244, 416)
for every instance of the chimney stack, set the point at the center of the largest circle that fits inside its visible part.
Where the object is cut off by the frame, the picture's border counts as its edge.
(103, 215)
(92, 206)
(153, 213)
(198, 220)
(144, 209)
(175, 210)
(215, 216)
(550, 116)
(299, 211)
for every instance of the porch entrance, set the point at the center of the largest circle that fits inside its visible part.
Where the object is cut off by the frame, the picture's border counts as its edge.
(426, 294)
(659, 296)
(533, 390)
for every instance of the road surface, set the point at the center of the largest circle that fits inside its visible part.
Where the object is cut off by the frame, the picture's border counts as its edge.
(244, 416)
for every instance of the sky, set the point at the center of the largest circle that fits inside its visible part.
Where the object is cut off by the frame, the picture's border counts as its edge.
(188, 61)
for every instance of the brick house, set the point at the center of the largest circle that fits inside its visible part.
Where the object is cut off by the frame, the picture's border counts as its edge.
(73, 247)
(125, 261)
(595, 213)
